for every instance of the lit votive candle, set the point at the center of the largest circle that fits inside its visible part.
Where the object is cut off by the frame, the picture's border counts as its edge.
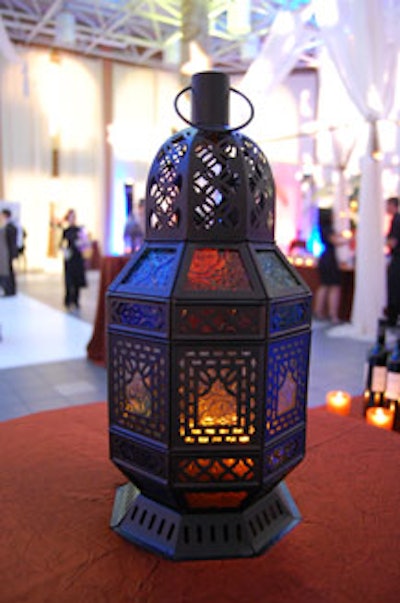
(338, 402)
(380, 417)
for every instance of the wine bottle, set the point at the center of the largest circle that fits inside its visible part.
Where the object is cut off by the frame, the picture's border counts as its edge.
(376, 370)
(392, 393)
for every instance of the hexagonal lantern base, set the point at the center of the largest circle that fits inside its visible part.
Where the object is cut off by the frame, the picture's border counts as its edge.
(208, 535)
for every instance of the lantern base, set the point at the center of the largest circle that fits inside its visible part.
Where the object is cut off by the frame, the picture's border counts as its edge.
(200, 535)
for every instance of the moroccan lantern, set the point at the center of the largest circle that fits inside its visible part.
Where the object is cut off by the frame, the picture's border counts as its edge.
(208, 350)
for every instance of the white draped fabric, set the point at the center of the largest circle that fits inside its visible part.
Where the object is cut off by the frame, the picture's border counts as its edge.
(287, 40)
(63, 102)
(363, 39)
(143, 118)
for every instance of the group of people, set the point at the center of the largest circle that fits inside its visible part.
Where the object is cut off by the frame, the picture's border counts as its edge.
(327, 299)
(74, 241)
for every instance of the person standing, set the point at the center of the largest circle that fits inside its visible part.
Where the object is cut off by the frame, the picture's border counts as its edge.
(393, 269)
(73, 242)
(328, 293)
(133, 231)
(8, 252)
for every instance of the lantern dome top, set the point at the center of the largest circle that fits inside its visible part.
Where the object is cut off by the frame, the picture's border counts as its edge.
(210, 182)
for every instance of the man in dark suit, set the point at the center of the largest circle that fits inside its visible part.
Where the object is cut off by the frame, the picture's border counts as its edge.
(8, 281)
(393, 273)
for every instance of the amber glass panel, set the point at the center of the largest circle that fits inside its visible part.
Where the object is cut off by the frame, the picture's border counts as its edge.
(138, 398)
(217, 396)
(216, 470)
(217, 407)
(216, 270)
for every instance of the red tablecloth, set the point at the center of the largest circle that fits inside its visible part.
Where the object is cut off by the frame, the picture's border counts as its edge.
(57, 491)
(110, 267)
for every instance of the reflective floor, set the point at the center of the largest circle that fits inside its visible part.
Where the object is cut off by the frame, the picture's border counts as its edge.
(43, 362)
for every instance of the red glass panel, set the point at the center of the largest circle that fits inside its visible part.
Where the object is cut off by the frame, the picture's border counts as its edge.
(216, 500)
(216, 270)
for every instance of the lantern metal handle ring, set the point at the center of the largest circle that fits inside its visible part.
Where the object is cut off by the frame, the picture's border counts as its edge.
(216, 128)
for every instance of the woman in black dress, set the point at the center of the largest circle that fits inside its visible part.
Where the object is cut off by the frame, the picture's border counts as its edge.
(73, 242)
(327, 297)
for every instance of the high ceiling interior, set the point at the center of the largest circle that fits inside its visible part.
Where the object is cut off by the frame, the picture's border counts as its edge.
(144, 32)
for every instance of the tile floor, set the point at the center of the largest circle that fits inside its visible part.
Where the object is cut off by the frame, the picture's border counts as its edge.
(43, 362)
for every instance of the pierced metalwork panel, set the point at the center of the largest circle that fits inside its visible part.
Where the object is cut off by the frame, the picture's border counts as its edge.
(216, 185)
(144, 316)
(138, 384)
(139, 455)
(213, 269)
(287, 374)
(282, 455)
(165, 186)
(203, 470)
(217, 395)
(153, 273)
(288, 316)
(262, 188)
(212, 320)
(278, 278)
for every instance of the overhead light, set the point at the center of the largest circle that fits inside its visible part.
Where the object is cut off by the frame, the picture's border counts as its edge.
(65, 31)
(198, 61)
(239, 21)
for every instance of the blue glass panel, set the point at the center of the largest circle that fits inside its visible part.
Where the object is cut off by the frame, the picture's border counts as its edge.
(153, 273)
(287, 374)
(144, 316)
(277, 276)
(281, 456)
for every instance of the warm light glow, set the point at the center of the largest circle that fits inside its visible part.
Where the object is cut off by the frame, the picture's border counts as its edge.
(338, 402)
(347, 234)
(199, 60)
(380, 417)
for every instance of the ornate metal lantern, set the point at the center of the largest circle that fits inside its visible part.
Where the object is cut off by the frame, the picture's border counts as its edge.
(208, 350)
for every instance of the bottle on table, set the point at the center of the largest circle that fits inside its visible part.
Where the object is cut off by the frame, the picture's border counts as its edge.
(376, 370)
(392, 393)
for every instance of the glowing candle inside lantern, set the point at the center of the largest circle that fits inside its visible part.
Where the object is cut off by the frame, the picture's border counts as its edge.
(338, 402)
(380, 417)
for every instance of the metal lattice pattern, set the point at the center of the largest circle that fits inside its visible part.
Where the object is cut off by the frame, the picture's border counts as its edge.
(138, 315)
(290, 315)
(138, 386)
(208, 470)
(165, 187)
(215, 182)
(220, 320)
(286, 383)
(217, 396)
(262, 188)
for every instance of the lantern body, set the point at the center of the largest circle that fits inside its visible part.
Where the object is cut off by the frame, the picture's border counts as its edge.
(208, 346)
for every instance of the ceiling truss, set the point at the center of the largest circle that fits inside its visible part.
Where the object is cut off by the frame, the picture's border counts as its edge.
(140, 32)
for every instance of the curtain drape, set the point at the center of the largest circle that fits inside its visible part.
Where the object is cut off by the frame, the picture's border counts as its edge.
(288, 37)
(363, 40)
